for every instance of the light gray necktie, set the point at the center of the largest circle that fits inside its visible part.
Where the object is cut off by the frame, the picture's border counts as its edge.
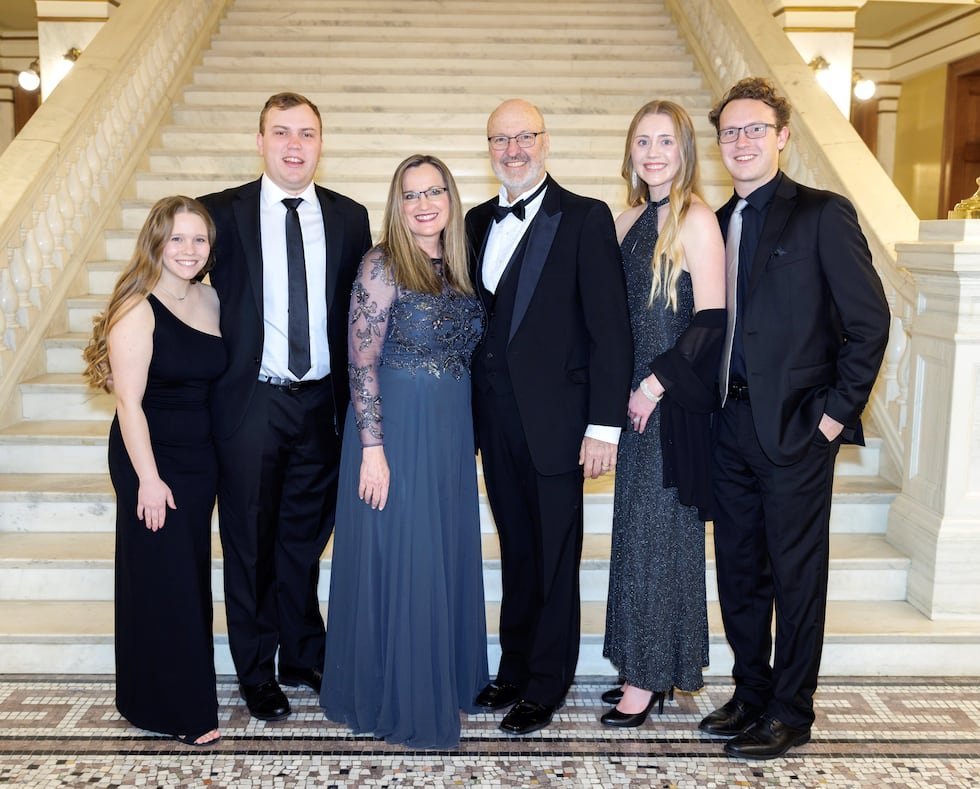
(732, 240)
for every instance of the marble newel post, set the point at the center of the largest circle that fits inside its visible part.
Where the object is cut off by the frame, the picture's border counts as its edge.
(936, 517)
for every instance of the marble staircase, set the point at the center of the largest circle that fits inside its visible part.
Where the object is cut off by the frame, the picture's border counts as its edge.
(393, 78)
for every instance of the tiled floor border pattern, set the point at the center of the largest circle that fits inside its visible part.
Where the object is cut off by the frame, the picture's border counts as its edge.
(65, 731)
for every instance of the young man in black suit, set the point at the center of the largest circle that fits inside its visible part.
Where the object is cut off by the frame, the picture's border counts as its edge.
(808, 323)
(551, 382)
(286, 254)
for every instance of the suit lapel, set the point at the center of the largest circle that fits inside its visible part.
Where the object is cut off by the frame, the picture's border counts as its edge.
(541, 236)
(247, 220)
(783, 204)
(333, 228)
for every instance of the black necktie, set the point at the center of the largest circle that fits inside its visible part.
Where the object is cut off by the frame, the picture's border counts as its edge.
(299, 308)
(501, 211)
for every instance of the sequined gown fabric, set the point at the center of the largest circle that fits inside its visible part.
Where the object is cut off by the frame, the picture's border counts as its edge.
(406, 643)
(165, 678)
(656, 617)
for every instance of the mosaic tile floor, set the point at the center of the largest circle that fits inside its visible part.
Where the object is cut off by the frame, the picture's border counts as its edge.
(65, 731)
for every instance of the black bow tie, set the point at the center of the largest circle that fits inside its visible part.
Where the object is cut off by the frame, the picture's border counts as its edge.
(501, 211)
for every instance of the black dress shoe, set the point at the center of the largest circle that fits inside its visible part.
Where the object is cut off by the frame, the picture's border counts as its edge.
(630, 720)
(612, 696)
(266, 701)
(527, 716)
(497, 695)
(294, 677)
(730, 719)
(767, 738)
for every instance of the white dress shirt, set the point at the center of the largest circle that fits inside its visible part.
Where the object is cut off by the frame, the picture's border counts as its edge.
(275, 290)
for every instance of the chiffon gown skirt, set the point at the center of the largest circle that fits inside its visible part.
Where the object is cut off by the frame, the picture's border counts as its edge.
(656, 613)
(165, 679)
(406, 645)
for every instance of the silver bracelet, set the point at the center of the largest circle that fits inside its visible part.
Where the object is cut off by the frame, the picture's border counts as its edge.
(648, 394)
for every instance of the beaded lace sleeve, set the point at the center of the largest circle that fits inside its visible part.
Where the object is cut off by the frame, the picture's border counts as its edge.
(371, 298)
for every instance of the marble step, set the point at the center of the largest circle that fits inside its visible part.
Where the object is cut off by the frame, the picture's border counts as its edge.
(485, 93)
(79, 566)
(862, 639)
(472, 162)
(447, 69)
(370, 190)
(398, 8)
(449, 54)
(46, 477)
(349, 116)
(62, 396)
(487, 31)
(63, 353)
(374, 138)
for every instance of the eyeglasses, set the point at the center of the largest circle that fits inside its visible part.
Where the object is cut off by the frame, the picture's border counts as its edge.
(499, 142)
(753, 132)
(432, 193)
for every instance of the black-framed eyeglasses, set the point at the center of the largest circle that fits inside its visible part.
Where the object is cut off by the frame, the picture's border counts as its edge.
(753, 131)
(432, 193)
(499, 142)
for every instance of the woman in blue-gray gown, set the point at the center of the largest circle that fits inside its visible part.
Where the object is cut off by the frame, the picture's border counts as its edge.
(406, 645)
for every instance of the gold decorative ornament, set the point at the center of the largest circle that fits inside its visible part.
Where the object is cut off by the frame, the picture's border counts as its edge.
(968, 208)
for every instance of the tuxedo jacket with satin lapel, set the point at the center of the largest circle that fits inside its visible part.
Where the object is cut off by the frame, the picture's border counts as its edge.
(814, 320)
(237, 276)
(570, 352)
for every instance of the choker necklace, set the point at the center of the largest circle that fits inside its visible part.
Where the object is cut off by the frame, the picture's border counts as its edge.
(174, 295)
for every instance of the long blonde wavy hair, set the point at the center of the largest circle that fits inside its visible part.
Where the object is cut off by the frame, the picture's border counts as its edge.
(667, 262)
(138, 278)
(409, 265)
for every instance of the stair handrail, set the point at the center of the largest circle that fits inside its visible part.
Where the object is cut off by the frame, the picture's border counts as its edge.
(732, 39)
(63, 175)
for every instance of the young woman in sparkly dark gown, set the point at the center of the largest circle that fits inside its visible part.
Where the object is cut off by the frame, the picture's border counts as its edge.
(674, 259)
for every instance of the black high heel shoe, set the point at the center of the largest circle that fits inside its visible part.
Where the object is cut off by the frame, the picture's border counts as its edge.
(612, 696)
(630, 720)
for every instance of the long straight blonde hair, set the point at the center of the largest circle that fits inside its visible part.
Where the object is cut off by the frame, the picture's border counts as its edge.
(667, 262)
(138, 278)
(409, 265)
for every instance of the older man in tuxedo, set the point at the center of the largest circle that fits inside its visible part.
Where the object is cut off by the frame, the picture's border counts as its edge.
(551, 381)
(286, 254)
(808, 323)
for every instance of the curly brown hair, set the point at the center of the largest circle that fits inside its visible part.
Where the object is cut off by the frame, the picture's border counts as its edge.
(760, 89)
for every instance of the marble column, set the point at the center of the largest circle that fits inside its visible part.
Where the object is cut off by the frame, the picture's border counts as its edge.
(63, 25)
(935, 520)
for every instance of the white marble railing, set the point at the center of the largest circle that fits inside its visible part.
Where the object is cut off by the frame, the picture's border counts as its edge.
(732, 39)
(63, 175)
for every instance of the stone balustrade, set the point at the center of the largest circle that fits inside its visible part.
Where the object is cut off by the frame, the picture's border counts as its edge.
(64, 173)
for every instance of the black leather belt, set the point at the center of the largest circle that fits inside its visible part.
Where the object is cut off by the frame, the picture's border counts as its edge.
(738, 391)
(288, 385)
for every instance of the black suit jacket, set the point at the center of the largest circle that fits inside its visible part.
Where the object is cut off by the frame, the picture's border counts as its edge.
(237, 276)
(814, 320)
(570, 352)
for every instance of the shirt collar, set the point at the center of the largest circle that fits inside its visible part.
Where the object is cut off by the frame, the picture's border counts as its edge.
(502, 195)
(272, 193)
(762, 196)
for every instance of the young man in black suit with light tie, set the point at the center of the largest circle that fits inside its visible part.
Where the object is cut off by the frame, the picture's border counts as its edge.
(551, 383)
(808, 323)
(286, 254)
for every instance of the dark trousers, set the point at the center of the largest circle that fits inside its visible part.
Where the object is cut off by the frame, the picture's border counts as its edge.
(277, 497)
(539, 523)
(772, 546)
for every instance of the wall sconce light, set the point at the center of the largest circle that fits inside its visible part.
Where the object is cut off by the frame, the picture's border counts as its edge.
(863, 88)
(821, 70)
(30, 78)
